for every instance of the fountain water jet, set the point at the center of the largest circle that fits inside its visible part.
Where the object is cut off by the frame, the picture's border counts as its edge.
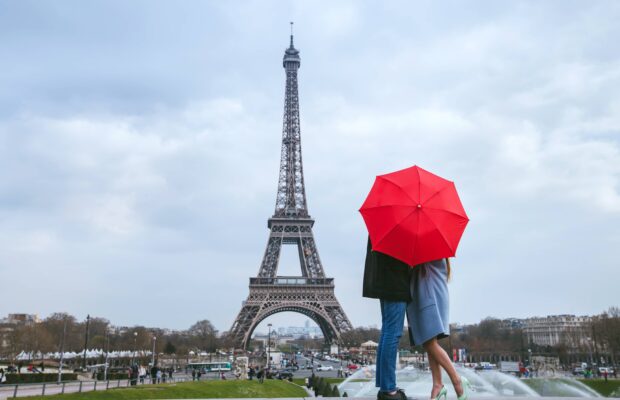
(418, 383)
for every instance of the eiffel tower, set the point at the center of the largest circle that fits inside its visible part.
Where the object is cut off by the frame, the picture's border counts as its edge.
(311, 294)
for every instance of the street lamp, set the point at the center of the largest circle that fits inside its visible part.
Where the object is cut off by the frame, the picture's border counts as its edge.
(133, 357)
(85, 343)
(153, 355)
(269, 347)
(107, 353)
(589, 339)
(529, 352)
(62, 351)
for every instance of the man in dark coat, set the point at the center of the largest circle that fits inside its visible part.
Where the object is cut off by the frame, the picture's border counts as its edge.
(387, 279)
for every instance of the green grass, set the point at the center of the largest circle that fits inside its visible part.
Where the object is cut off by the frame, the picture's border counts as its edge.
(604, 388)
(610, 388)
(191, 390)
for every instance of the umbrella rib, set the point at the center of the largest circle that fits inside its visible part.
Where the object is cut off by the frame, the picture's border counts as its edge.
(387, 205)
(447, 211)
(419, 187)
(394, 227)
(440, 233)
(415, 244)
(400, 188)
(437, 192)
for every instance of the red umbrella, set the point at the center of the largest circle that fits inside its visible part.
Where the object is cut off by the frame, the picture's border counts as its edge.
(414, 216)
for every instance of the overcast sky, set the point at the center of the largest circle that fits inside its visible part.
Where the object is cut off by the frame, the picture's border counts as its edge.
(140, 146)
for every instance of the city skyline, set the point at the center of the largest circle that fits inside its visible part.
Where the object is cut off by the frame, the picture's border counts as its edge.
(136, 139)
(281, 328)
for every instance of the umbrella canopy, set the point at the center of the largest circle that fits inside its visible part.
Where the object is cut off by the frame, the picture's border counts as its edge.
(414, 216)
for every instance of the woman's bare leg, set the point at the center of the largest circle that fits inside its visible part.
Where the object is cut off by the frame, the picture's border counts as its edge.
(433, 349)
(436, 374)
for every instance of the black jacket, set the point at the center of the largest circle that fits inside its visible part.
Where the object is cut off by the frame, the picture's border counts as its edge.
(386, 277)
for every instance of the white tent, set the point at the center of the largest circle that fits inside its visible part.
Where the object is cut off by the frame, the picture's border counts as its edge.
(369, 344)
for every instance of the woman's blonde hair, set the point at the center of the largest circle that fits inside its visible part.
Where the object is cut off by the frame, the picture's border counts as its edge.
(449, 269)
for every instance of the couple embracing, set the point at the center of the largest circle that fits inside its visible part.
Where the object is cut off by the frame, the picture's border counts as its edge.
(415, 221)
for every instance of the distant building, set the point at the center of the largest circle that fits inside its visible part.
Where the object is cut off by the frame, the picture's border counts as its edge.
(301, 332)
(552, 330)
(8, 324)
(22, 319)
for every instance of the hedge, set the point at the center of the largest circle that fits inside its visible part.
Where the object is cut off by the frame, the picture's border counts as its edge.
(112, 376)
(38, 378)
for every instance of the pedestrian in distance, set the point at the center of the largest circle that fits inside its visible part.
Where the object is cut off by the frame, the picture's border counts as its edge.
(193, 374)
(260, 375)
(134, 375)
(198, 374)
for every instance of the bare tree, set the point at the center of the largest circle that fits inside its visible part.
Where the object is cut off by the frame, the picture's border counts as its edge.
(205, 333)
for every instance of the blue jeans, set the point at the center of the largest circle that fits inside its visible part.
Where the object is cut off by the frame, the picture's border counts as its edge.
(392, 321)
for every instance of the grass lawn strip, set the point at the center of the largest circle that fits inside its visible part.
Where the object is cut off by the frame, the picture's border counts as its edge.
(191, 390)
(604, 388)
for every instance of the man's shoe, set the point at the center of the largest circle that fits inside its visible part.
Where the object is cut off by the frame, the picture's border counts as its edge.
(404, 396)
(399, 395)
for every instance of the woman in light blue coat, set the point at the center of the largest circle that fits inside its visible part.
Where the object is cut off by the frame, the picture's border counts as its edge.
(428, 316)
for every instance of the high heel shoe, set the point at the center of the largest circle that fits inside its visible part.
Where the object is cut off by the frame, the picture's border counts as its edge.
(466, 389)
(442, 393)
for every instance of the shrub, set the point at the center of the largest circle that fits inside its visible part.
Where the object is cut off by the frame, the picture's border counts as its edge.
(335, 391)
(345, 394)
(112, 376)
(318, 388)
(326, 390)
(38, 378)
(314, 382)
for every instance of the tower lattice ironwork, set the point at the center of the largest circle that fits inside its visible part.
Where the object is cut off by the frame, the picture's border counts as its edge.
(311, 293)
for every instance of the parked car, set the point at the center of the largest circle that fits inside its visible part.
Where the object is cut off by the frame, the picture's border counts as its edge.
(285, 374)
(325, 368)
(352, 366)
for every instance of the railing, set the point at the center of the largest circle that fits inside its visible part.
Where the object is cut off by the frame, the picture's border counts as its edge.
(14, 390)
(291, 280)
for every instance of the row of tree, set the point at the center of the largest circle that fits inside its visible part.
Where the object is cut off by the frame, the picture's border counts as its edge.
(493, 338)
(488, 336)
(47, 336)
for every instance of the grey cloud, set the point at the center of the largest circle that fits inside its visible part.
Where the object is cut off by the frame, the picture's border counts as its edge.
(140, 144)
